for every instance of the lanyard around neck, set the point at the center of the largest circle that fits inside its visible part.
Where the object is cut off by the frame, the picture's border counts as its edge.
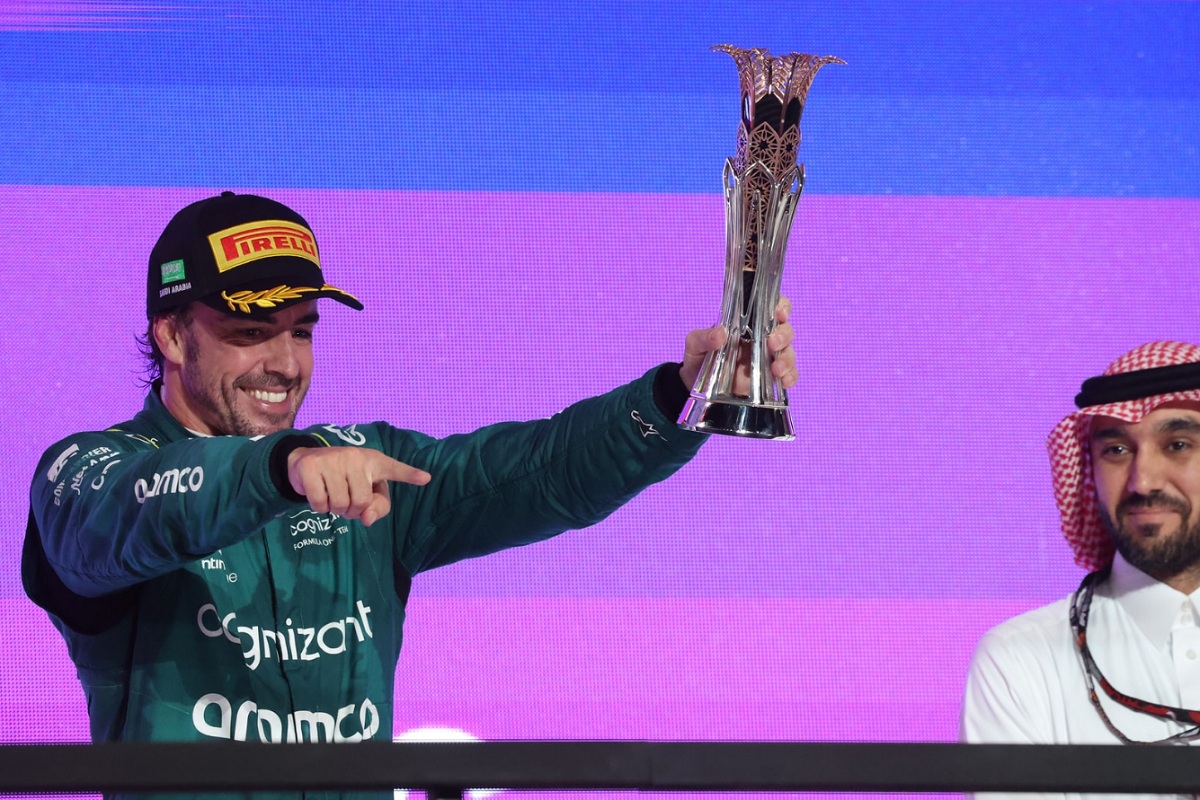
(1081, 605)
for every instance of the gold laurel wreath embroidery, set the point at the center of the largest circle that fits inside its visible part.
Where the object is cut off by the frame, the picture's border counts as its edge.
(267, 298)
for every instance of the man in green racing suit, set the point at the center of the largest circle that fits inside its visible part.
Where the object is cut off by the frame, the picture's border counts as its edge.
(217, 574)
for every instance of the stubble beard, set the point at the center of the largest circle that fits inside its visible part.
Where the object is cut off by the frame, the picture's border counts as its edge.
(1160, 556)
(221, 401)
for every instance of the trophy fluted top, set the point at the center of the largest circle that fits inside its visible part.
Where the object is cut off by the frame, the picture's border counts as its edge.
(773, 92)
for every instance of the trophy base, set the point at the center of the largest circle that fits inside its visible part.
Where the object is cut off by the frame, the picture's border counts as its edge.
(735, 419)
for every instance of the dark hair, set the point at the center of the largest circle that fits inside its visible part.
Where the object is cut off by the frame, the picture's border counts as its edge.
(152, 357)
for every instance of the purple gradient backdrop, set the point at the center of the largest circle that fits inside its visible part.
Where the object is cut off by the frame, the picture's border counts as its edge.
(831, 588)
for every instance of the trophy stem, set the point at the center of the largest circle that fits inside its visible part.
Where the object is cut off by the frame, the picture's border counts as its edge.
(759, 209)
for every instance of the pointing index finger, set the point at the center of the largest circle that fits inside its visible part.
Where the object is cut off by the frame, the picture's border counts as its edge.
(399, 472)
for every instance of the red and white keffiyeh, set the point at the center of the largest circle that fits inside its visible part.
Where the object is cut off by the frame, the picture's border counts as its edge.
(1070, 459)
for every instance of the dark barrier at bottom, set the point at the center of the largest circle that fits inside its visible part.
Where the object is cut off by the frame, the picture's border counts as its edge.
(447, 770)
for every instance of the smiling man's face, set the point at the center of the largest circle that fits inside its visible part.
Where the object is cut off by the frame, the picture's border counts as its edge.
(238, 376)
(1147, 477)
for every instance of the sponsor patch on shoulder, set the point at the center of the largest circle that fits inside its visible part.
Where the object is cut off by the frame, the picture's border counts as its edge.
(349, 435)
(60, 462)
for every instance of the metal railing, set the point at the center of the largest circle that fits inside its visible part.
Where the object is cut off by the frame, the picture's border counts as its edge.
(447, 770)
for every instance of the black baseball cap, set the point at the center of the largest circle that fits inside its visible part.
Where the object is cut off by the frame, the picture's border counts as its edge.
(238, 253)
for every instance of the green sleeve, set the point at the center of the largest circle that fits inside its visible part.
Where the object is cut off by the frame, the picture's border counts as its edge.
(519, 482)
(113, 509)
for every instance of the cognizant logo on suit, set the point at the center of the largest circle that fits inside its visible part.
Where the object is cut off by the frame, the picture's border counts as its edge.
(292, 643)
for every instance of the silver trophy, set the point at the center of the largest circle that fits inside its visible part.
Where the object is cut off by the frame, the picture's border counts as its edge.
(762, 185)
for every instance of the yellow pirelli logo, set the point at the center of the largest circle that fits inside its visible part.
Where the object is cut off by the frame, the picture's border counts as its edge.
(242, 244)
